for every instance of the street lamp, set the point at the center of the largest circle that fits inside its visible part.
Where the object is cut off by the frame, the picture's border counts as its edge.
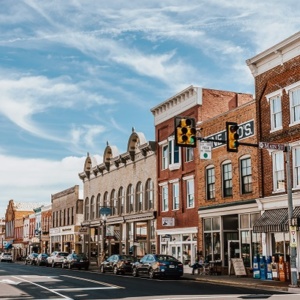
(103, 219)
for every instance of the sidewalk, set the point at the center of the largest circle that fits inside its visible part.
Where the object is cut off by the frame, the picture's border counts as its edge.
(233, 280)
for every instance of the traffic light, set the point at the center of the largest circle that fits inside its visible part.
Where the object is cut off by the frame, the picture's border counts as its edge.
(232, 136)
(185, 132)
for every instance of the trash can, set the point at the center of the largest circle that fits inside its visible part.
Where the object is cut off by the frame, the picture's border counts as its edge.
(256, 269)
(282, 269)
(263, 268)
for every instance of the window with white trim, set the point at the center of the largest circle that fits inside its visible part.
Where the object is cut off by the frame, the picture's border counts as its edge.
(295, 105)
(175, 195)
(296, 167)
(227, 179)
(190, 200)
(278, 171)
(276, 112)
(174, 157)
(246, 175)
(164, 157)
(164, 198)
(210, 183)
(130, 199)
(139, 196)
(189, 154)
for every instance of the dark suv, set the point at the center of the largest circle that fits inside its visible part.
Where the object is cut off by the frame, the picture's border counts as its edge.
(158, 265)
(118, 264)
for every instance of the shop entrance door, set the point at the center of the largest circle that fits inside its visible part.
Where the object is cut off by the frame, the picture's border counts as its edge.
(176, 252)
(233, 250)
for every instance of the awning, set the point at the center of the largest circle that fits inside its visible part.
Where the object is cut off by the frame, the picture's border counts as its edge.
(8, 246)
(273, 220)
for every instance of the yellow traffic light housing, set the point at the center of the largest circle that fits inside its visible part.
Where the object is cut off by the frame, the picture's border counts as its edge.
(185, 132)
(232, 136)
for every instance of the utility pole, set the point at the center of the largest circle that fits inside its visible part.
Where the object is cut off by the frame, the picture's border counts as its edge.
(292, 227)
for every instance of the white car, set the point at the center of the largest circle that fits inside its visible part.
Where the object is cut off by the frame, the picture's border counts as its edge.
(5, 256)
(56, 258)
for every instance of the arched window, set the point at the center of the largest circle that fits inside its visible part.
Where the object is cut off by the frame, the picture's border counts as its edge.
(149, 194)
(130, 199)
(113, 202)
(98, 206)
(121, 200)
(139, 197)
(87, 209)
(93, 215)
(106, 200)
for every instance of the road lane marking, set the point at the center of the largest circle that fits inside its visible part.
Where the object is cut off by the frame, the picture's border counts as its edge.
(86, 289)
(43, 287)
(95, 281)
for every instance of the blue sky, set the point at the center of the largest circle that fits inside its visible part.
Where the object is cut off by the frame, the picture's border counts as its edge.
(76, 74)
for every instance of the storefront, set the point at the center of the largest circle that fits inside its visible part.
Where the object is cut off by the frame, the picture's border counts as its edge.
(180, 243)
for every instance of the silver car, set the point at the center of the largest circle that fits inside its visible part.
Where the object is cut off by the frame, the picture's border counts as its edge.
(5, 256)
(56, 258)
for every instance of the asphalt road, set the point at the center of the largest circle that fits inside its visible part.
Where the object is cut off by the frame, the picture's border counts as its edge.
(20, 281)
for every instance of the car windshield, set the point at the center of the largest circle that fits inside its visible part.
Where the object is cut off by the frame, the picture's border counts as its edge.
(63, 254)
(127, 257)
(166, 258)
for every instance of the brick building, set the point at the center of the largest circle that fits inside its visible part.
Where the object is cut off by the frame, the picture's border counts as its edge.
(228, 187)
(177, 219)
(67, 215)
(122, 186)
(277, 88)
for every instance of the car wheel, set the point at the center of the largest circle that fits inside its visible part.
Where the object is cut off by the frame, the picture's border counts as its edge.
(116, 272)
(53, 265)
(102, 269)
(151, 274)
(86, 268)
(70, 267)
(135, 272)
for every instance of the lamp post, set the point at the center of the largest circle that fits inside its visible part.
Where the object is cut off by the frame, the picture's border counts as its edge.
(103, 218)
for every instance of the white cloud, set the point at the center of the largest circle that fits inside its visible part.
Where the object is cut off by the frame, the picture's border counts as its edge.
(34, 180)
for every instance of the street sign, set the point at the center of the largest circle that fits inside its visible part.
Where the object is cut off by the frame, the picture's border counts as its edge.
(293, 236)
(271, 146)
(205, 150)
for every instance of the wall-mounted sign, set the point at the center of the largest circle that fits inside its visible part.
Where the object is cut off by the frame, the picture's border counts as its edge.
(83, 230)
(105, 211)
(168, 222)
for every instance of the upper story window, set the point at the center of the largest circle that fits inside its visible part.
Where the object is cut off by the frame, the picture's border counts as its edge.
(87, 209)
(121, 200)
(130, 199)
(98, 206)
(175, 195)
(164, 198)
(278, 171)
(275, 110)
(227, 179)
(210, 183)
(190, 191)
(149, 194)
(246, 175)
(139, 196)
(294, 95)
(164, 157)
(113, 202)
(93, 208)
(174, 157)
(296, 167)
(189, 154)
(106, 200)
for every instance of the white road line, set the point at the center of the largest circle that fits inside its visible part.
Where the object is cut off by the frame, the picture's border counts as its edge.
(85, 289)
(43, 287)
(95, 281)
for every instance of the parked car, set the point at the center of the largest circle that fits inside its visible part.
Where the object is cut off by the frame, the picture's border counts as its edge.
(31, 259)
(6, 256)
(42, 259)
(56, 258)
(74, 260)
(158, 265)
(118, 264)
